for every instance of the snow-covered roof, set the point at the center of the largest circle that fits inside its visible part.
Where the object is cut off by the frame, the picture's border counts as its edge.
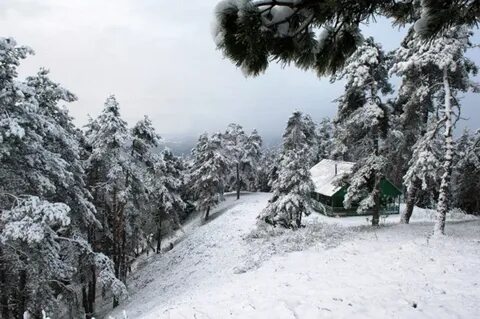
(323, 175)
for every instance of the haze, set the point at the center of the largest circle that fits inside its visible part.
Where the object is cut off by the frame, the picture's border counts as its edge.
(159, 59)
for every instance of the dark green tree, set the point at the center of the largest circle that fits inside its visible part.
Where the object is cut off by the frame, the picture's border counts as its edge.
(253, 33)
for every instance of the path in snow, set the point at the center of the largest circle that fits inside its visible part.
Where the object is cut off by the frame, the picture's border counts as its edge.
(206, 256)
(224, 270)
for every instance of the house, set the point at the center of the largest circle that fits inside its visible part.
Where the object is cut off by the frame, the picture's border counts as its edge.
(325, 175)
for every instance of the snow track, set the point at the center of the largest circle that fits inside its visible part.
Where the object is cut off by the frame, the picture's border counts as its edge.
(221, 269)
(205, 257)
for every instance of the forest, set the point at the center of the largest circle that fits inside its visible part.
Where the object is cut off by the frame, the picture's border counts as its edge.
(81, 205)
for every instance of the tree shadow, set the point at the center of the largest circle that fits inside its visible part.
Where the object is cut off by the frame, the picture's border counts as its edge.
(217, 213)
(214, 214)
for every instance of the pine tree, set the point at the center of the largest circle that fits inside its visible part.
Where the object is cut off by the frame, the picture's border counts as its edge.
(466, 173)
(39, 229)
(251, 159)
(47, 211)
(146, 180)
(162, 179)
(325, 135)
(301, 130)
(65, 140)
(437, 16)
(266, 166)
(448, 69)
(361, 125)
(171, 201)
(174, 182)
(318, 34)
(416, 104)
(422, 173)
(293, 187)
(109, 167)
(208, 172)
(234, 141)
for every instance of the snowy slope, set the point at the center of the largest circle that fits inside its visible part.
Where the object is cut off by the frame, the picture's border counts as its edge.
(333, 268)
(207, 255)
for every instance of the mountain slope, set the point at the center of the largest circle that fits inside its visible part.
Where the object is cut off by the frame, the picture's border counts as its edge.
(206, 256)
(334, 268)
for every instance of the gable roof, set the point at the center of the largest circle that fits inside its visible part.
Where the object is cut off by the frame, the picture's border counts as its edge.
(323, 175)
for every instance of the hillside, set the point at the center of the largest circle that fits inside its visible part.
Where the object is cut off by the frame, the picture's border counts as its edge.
(339, 268)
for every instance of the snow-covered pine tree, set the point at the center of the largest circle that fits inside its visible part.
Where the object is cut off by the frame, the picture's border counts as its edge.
(234, 140)
(108, 168)
(65, 140)
(448, 70)
(170, 201)
(12, 138)
(174, 171)
(38, 229)
(251, 159)
(267, 169)
(210, 166)
(301, 130)
(361, 125)
(181, 169)
(455, 67)
(40, 164)
(416, 102)
(422, 172)
(325, 139)
(466, 173)
(146, 182)
(291, 192)
(162, 181)
(34, 227)
(293, 187)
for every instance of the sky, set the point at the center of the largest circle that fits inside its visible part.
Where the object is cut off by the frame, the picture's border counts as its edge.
(158, 57)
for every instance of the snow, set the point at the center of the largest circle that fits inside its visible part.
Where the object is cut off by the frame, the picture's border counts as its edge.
(32, 219)
(323, 175)
(332, 268)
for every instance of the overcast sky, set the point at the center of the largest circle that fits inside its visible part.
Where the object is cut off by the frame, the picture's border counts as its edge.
(159, 59)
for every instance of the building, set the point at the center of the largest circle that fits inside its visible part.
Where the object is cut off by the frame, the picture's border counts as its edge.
(325, 175)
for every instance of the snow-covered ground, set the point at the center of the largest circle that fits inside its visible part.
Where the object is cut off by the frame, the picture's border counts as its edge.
(332, 268)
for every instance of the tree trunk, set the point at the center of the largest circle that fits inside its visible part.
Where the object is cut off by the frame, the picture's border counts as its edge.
(411, 197)
(442, 207)
(22, 296)
(123, 248)
(92, 291)
(298, 220)
(412, 192)
(85, 299)
(376, 185)
(117, 237)
(238, 180)
(5, 313)
(376, 198)
(91, 281)
(207, 213)
(117, 272)
(159, 238)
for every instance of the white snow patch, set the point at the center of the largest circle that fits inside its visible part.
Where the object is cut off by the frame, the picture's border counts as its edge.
(332, 268)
